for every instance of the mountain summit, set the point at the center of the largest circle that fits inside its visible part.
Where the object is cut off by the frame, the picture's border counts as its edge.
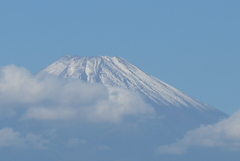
(116, 71)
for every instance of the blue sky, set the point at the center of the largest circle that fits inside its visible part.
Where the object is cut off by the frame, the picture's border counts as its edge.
(191, 45)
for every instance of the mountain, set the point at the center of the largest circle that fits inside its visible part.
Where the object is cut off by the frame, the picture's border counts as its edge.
(49, 118)
(115, 71)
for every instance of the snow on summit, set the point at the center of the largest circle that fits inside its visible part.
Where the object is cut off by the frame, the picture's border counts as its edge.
(116, 71)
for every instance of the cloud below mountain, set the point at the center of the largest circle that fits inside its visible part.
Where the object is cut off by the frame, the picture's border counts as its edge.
(224, 134)
(11, 138)
(44, 97)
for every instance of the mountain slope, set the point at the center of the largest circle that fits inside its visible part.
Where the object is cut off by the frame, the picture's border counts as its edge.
(118, 72)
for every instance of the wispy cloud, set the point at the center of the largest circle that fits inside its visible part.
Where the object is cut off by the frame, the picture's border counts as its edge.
(11, 138)
(75, 142)
(8, 137)
(49, 98)
(224, 134)
(103, 148)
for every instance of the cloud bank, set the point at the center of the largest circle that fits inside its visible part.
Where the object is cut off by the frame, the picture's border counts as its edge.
(224, 134)
(42, 97)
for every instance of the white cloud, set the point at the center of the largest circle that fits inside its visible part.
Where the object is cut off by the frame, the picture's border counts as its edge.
(224, 134)
(49, 98)
(35, 141)
(74, 142)
(103, 148)
(50, 113)
(10, 138)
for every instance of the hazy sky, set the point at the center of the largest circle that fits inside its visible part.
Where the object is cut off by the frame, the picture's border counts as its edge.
(191, 45)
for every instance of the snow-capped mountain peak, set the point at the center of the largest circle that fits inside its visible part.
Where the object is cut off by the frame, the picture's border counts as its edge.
(117, 71)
